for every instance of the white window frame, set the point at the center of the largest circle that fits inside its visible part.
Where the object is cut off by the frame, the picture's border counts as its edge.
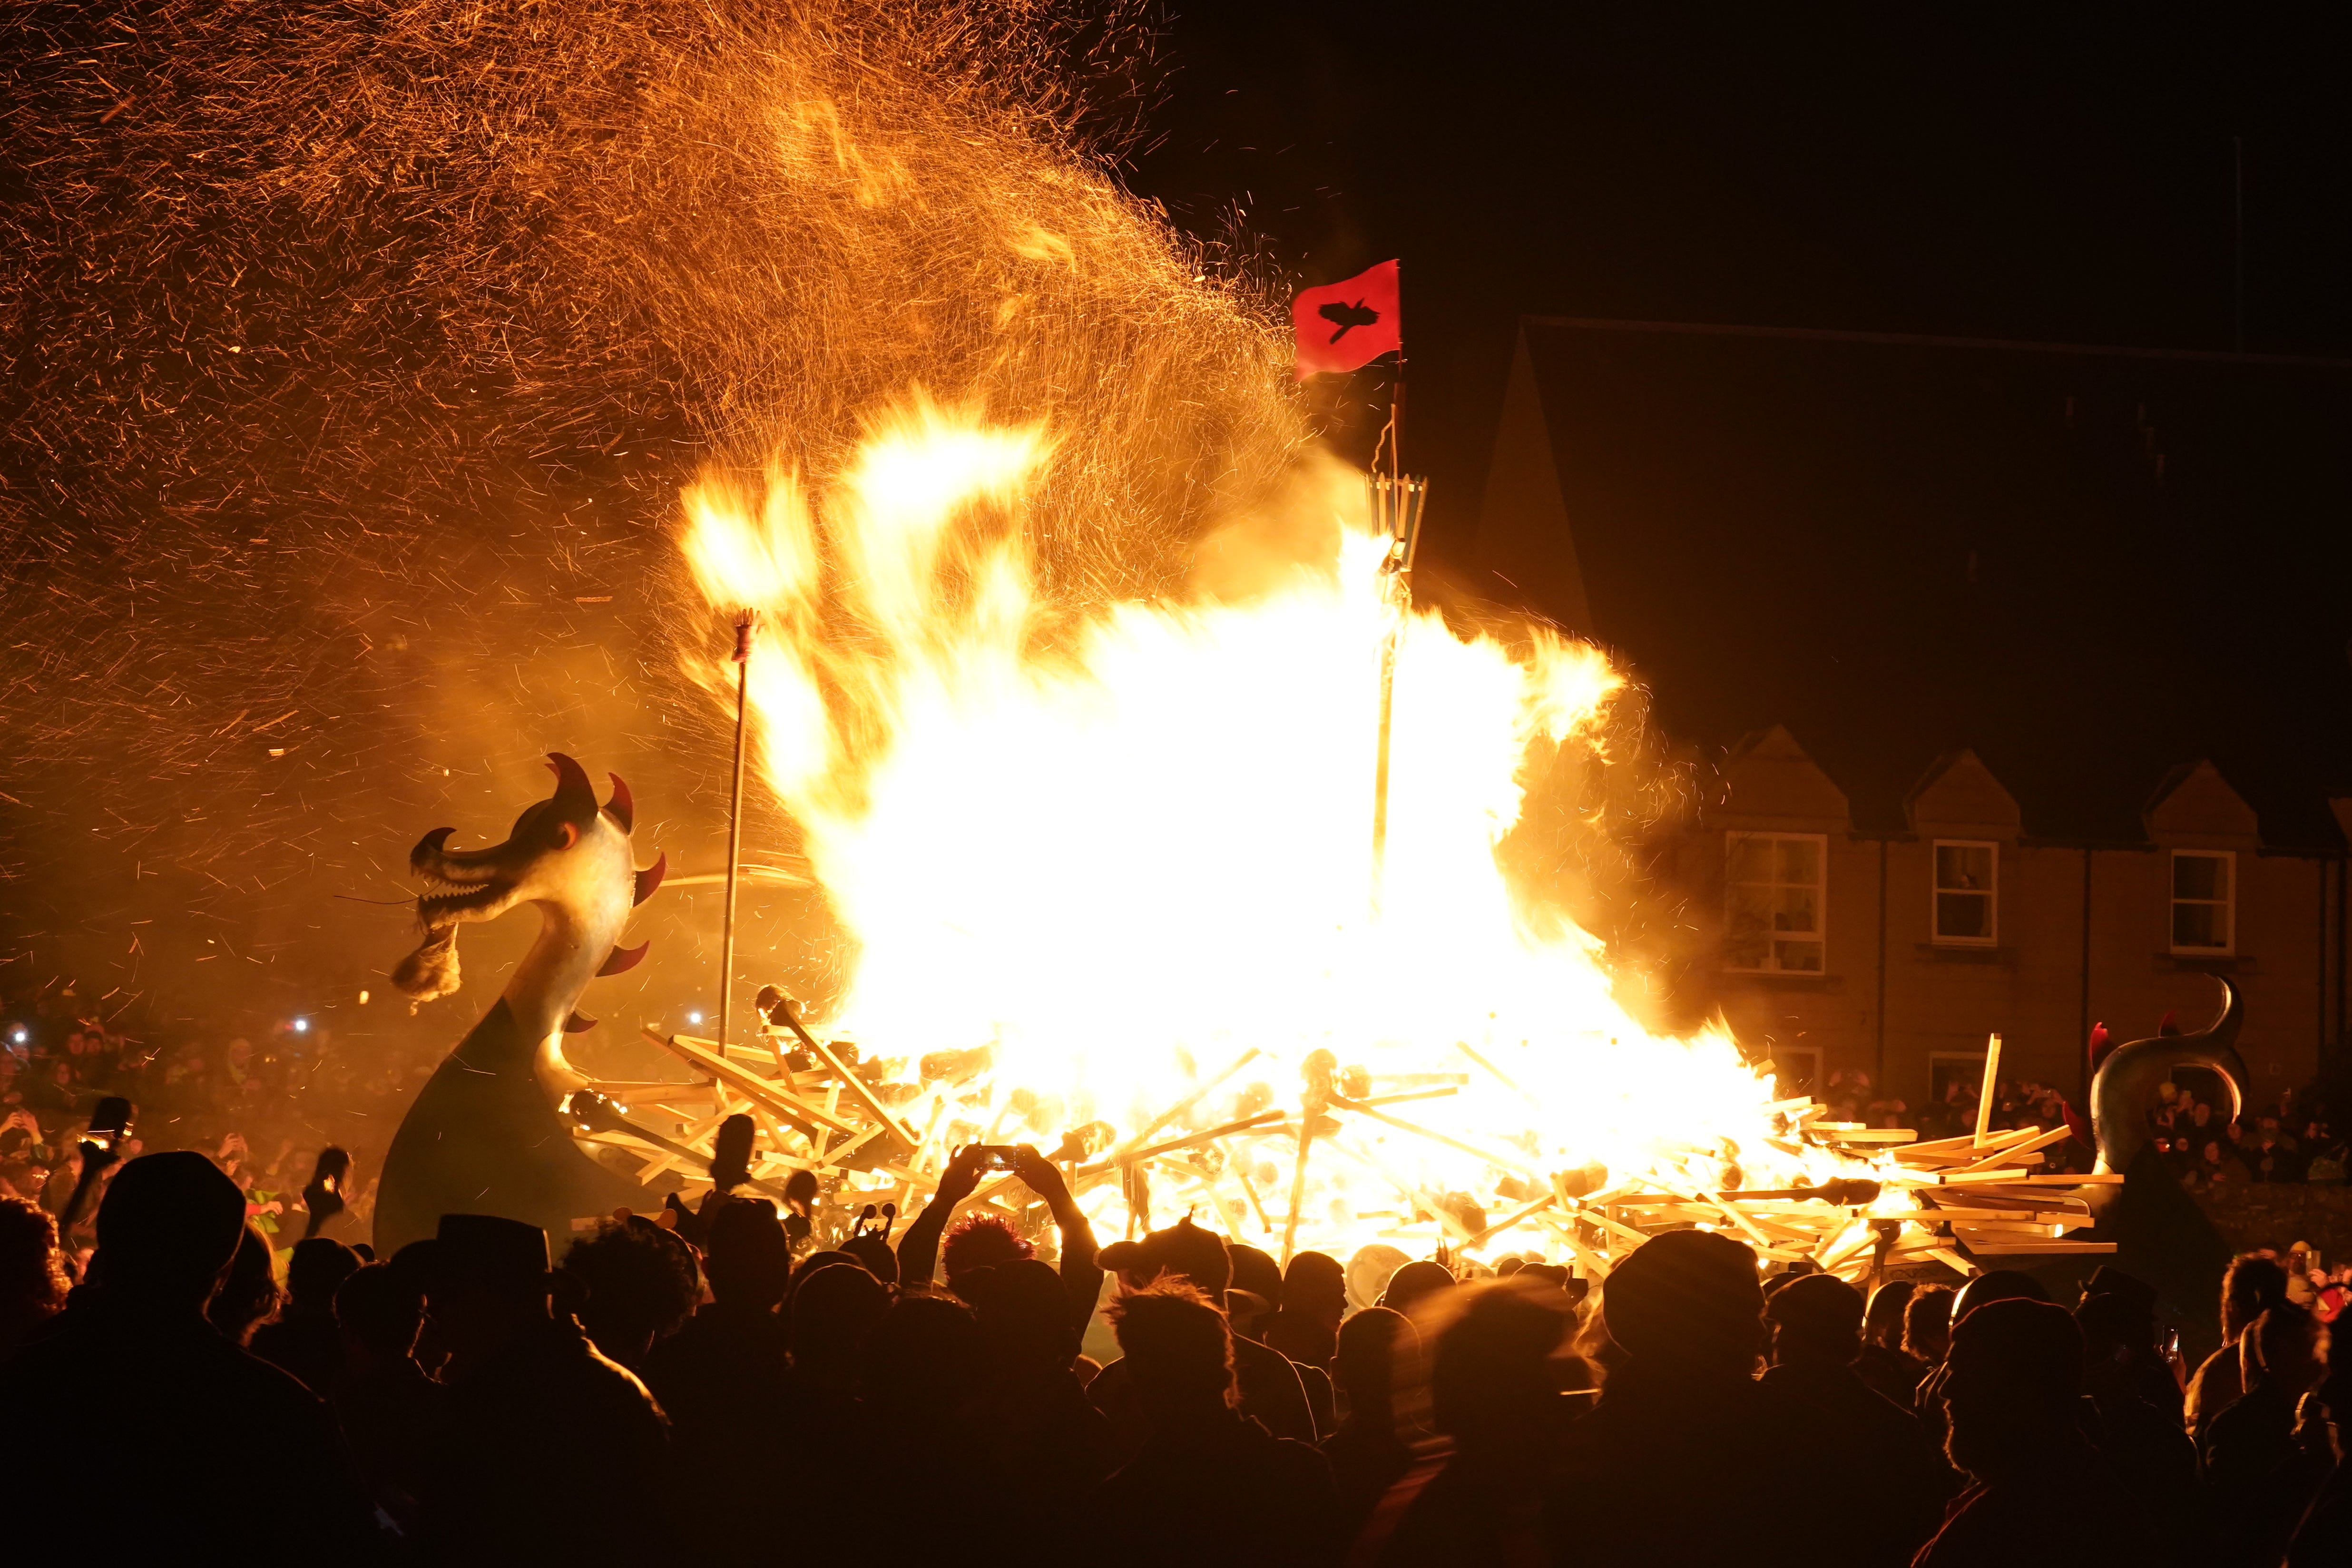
(1936, 889)
(2228, 902)
(1819, 934)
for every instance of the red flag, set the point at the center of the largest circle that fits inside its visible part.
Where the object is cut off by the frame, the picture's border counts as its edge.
(1345, 326)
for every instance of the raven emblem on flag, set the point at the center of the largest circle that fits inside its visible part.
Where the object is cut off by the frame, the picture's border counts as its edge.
(1348, 317)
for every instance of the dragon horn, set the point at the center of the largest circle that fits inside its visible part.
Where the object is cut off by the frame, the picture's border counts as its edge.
(623, 807)
(578, 1023)
(575, 797)
(651, 878)
(625, 959)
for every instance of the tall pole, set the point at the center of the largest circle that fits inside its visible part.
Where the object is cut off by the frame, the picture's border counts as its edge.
(1397, 502)
(735, 824)
(1396, 590)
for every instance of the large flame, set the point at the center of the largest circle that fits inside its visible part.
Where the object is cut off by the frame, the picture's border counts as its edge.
(1121, 846)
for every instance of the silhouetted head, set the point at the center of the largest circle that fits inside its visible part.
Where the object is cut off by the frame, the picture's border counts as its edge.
(1314, 1286)
(487, 1280)
(2117, 1317)
(2013, 1382)
(33, 1281)
(921, 1360)
(1687, 1302)
(167, 1229)
(1377, 1349)
(1494, 1380)
(749, 1260)
(1025, 1313)
(248, 1292)
(318, 1267)
(1254, 1294)
(980, 1241)
(2253, 1286)
(1179, 1350)
(2284, 1348)
(1883, 1324)
(832, 1312)
(1415, 1283)
(1182, 1252)
(1995, 1285)
(379, 1313)
(1928, 1323)
(1816, 1321)
(640, 1282)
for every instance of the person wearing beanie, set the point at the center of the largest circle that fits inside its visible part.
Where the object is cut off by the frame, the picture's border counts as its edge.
(2041, 1495)
(1685, 1315)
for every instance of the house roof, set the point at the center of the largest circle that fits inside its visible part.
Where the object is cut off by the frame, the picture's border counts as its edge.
(2088, 566)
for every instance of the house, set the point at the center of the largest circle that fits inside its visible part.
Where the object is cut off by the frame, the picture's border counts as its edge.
(2023, 673)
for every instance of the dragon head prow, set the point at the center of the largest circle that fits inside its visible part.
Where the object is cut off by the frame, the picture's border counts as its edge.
(566, 854)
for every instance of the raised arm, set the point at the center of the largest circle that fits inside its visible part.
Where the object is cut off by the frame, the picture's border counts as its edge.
(919, 1247)
(1081, 1274)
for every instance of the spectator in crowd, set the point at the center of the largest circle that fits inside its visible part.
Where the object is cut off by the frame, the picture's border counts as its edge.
(2039, 1493)
(1208, 1484)
(547, 1450)
(1685, 1311)
(1379, 1353)
(2252, 1285)
(250, 1293)
(1267, 1387)
(1884, 1364)
(2262, 1465)
(1314, 1300)
(724, 1379)
(2136, 1401)
(133, 1354)
(32, 1275)
(1894, 1482)
(1495, 1393)
(303, 1338)
(390, 1410)
(638, 1284)
(1039, 1423)
(1928, 1324)
(2323, 1534)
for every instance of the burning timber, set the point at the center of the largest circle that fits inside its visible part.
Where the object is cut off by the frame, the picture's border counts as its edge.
(1980, 1200)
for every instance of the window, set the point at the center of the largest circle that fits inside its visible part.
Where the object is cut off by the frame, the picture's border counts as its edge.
(1774, 894)
(1964, 892)
(2204, 903)
(1796, 1069)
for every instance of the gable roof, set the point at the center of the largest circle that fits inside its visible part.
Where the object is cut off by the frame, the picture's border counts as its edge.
(2088, 566)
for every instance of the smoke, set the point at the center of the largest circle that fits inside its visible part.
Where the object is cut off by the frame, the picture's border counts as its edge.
(355, 357)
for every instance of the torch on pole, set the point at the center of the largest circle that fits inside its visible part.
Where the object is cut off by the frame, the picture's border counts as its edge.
(744, 628)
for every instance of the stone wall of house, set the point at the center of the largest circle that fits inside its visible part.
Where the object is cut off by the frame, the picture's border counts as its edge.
(2279, 1214)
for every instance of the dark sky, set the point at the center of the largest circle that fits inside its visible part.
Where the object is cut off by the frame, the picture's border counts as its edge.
(2044, 172)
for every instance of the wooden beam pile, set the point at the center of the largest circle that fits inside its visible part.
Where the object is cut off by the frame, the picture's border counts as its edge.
(1903, 1206)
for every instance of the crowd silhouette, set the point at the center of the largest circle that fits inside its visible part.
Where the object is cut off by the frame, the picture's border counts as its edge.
(705, 1387)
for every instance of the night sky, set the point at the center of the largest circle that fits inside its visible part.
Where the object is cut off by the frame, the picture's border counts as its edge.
(2059, 173)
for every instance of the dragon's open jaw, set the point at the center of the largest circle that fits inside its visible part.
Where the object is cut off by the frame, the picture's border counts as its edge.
(536, 864)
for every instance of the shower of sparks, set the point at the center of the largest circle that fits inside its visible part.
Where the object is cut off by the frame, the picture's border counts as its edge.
(355, 356)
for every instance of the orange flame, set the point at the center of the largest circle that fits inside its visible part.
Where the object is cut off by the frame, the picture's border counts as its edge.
(1119, 852)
